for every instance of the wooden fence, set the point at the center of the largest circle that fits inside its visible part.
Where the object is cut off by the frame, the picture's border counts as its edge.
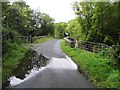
(30, 39)
(94, 47)
(90, 46)
(70, 42)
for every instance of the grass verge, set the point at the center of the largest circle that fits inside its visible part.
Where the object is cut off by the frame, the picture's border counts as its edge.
(11, 59)
(102, 71)
(41, 40)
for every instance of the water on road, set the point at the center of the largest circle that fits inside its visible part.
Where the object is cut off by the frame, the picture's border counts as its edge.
(59, 72)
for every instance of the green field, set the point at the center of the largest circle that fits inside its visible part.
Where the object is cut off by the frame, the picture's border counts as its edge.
(101, 71)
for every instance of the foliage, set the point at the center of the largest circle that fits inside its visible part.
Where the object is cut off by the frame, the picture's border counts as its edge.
(115, 53)
(9, 34)
(42, 24)
(19, 20)
(19, 17)
(16, 16)
(74, 29)
(99, 21)
(13, 56)
(9, 37)
(100, 69)
(59, 29)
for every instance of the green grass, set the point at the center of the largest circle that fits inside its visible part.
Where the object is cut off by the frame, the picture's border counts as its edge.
(102, 71)
(11, 59)
(41, 40)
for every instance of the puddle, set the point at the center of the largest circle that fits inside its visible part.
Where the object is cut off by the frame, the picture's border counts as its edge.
(29, 66)
(15, 81)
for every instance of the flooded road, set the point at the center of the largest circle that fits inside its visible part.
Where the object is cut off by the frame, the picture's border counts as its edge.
(59, 70)
(30, 65)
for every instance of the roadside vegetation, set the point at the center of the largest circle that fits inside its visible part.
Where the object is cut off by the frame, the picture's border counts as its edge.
(18, 19)
(12, 58)
(41, 40)
(100, 70)
(96, 22)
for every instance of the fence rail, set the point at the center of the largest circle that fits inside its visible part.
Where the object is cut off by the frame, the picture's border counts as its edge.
(29, 38)
(89, 46)
(94, 47)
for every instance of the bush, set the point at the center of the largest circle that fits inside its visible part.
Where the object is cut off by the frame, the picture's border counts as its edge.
(114, 53)
(9, 37)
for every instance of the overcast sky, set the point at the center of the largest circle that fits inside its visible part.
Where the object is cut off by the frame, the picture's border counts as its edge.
(60, 10)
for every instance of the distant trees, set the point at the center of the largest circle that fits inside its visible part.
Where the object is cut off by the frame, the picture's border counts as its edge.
(74, 29)
(59, 29)
(42, 24)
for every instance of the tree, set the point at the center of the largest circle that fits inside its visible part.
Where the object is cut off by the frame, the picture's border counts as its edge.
(74, 29)
(99, 21)
(42, 24)
(18, 19)
(59, 29)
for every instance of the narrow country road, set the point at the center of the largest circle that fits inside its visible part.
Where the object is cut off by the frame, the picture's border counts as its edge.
(60, 71)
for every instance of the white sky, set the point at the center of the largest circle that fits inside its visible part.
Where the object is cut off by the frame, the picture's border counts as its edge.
(60, 10)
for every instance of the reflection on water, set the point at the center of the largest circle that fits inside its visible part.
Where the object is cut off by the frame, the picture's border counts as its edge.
(29, 66)
(14, 80)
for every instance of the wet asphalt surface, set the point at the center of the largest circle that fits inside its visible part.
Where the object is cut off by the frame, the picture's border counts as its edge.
(60, 71)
